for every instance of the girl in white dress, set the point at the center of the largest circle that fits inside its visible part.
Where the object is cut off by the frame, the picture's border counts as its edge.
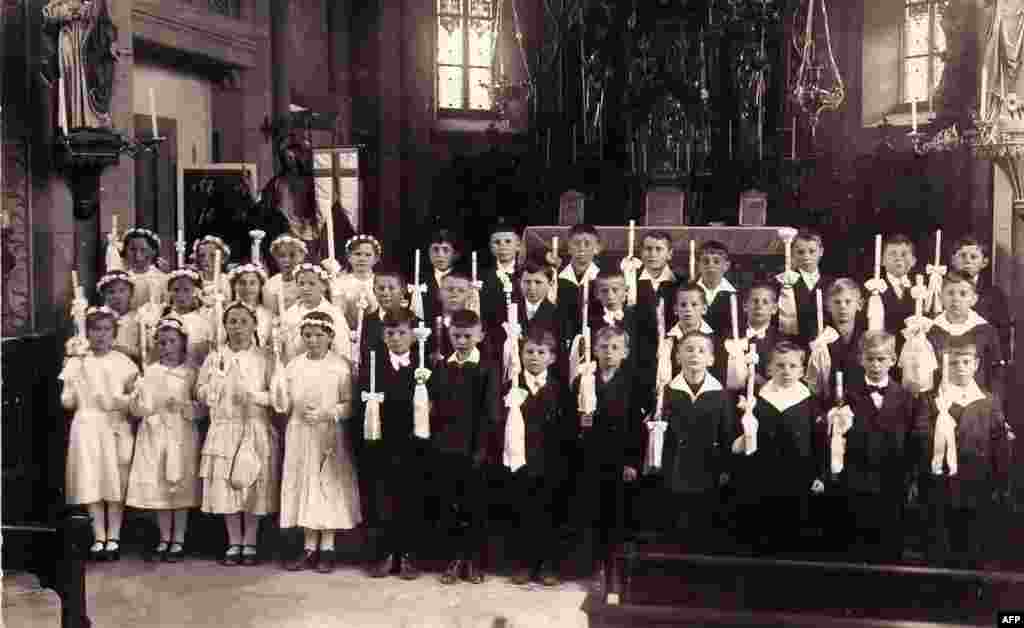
(183, 286)
(319, 490)
(288, 251)
(140, 248)
(97, 386)
(312, 282)
(363, 252)
(247, 283)
(165, 470)
(116, 288)
(240, 460)
(204, 253)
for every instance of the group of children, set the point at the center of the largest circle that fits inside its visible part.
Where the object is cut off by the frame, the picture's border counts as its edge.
(581, 398)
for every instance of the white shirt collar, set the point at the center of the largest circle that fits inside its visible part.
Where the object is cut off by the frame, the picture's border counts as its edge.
(959, 329)
(882, 384)
(760, 333)
(784, 398)
(531, 308)
(441, 274)
(963, 395)
(535, 382)
(810, 279)
(666, 274)
(710, 294)
(710, 384)
(898, 282)
(508, 269)
(398, 361)
(474, 357)
(676, 332)
(570, 275)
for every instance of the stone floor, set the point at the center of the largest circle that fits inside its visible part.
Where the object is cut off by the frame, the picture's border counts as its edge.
(201, 593)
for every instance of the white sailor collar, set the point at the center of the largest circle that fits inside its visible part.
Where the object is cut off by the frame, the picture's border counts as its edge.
(666, 274)
(959, 329)
(784, 398)
(963, 395)
(723, 286)
(677, 333)
(570, 275)
(710, 384)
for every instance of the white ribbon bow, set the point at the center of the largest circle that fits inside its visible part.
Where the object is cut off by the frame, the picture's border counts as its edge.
(944, 445)
(655, 441)
(917, 359)
(819, 365)
(611, 317)
(935, 274)
(746, 443)
(514, 455)
(630, 266)
(736, 370)
(788, 323)
(840, 420)
(876, 309)
(416, 299)
(587, 398)
(371, 417)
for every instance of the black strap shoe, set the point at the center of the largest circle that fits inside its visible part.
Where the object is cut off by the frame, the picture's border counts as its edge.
(384, 567)
(407, 569)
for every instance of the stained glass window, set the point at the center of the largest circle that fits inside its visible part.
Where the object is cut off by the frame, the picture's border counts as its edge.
(924, 43)
(466, 39)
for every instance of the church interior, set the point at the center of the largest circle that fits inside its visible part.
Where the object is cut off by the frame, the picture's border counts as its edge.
(719, 120)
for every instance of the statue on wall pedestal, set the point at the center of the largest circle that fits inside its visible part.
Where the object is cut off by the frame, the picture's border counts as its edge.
(81, 61)
(1001, 60)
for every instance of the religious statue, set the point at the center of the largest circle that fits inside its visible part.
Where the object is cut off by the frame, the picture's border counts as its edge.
(1001, 59)
(82, 61)
(288, 203)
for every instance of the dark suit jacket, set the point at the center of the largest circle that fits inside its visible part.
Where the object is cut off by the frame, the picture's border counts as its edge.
(698, 439)
(992, 306)
(789, 450)
(570, 309)
(464, 407)
(618, 435)
(878, 445)
(493, 307)
(846, 356)
(807, 306)
(548, 429)
(897, 310)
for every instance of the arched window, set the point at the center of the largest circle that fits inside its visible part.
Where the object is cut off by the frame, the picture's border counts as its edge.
(923, 46)
(466, 36)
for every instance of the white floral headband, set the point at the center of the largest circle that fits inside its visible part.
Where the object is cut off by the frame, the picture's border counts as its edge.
(111, 277)
(214, 240)
(187, 273)
(140, 232)
(101, 310)
(171, 322)
(362, 238)
(240, 304)
(288, 240)
(308, 321)
(306, 267)
(241, 269)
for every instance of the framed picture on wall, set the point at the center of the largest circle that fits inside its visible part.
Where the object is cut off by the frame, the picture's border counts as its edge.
(216, 200)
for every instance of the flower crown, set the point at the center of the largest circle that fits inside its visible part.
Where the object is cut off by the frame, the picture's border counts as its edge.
(111, 277)
(214, 240)
(361, 238)
(308, 321)
(306, 267)
(241, 269)
(240, 304)
(286, 240)
(188, 273)
(171, 322)
(101, 310)
(140, 232)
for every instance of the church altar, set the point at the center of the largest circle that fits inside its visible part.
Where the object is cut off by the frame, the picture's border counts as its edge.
(754, 251)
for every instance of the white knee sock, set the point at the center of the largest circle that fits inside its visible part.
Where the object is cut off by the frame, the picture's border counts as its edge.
(163, 521)
(327, 540)
(99, 521)
(180, 525)
(311, 537)
(115, 515)
(252, 528)
(234, 525)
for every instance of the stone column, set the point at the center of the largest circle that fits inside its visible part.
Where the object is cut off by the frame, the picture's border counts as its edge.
(389, 147)
(340, 76)
(280, 86)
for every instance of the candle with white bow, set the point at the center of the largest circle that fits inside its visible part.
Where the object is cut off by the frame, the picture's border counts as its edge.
(632, 238)
(821, 310)
(152, 111)
(373, 372)
(329, 226)
(257, 236)
(693, 260)
(179, 246)
(878, 256)
(938, 247)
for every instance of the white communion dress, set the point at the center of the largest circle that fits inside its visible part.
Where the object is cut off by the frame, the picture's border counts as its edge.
(319, 488)
(100, 447)
(241, 456)
(165, 470)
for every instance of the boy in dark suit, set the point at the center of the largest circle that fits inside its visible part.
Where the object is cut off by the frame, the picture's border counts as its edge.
(656, 280)
(760, 305)
(712, 264)
(844, 302)
(613, 311)
(870, 456)
(389, 289)
(690, 309)
(393, 465)
(464, 396)
(444, 253)
(898, 260)
(584, 246)
(808, 250)
(962, 477)
(701, 429)
(609, 447)
(533, 453)
(505, 243)
(455, 290)
(970, 257)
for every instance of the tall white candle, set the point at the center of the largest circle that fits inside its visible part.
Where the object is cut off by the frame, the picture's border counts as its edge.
(554, 245)
(422, 338)
(839, 385)
(632, 237)
(788, 242)
(416, 271)
(113, 224)
(329, 226)
(938, 246)
(693, 260)
(586, 302)
(180, 246)
(62, 107)
(945, 368)
(216, 270)
(983, 97)
(373, 371)
(919, 303)
(142, 339)
(913, 115)
(152, 111)
(733, 310)
(474, 266)
(821, 310)
(878, 256)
